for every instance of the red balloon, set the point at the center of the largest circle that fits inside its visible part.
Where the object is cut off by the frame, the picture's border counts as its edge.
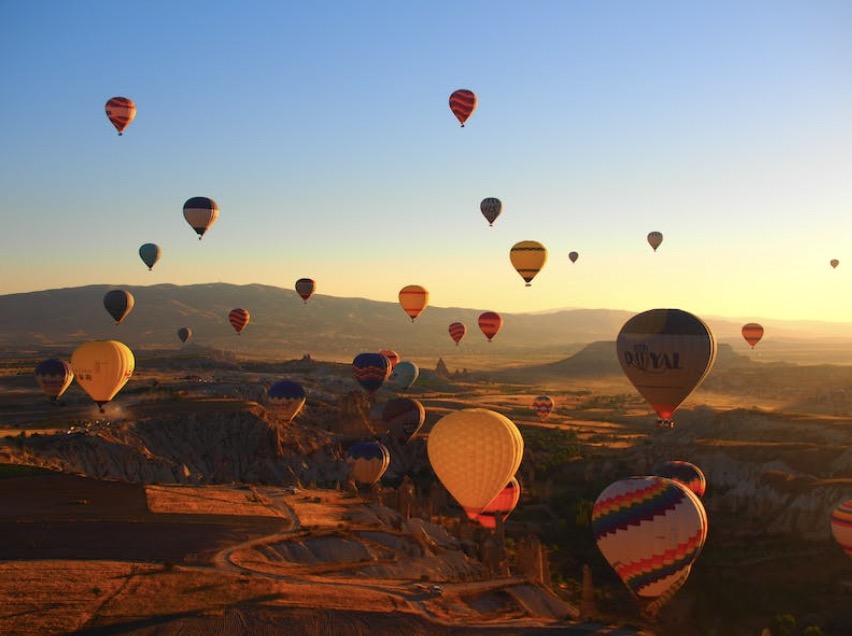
(490, 323)
(239, 318)
(462, 103)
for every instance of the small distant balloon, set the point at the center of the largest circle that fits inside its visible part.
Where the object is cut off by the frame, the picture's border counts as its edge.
(118, 303)
(402, 417)
(121, 111)
(542, 406)
(201, 213)
(491, 208)
(239, 318)
(404, 374)
(184, 333)
(528, 257)
(457, 331)
(463, 103)
(655, 239)
(685, 473)
(54, 377)
(490, 324)
(573, 256)
(834, 263)
(501, 506)
(305, 287)
(286, 398)
(391, 355)
(413, 299)
(841, 525)
(371, 370)
(752, 332)
(150, 254)
(367, 461)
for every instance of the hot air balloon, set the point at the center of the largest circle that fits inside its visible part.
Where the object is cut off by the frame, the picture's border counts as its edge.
(371, 370)
(650, 530)
(305, 288)
(150, 254)
(501, 506)
(53, 376)
(528, 257)
(685, 473)
(475, 452)
(239, 318)
(462, 103)
(102, 368)
(490, 323)
(404, 374)
(457, 331)
(121, 112)
(542, 406)
(118, 303)
(402, 418)
(834, 263)
(286, 398)
(841, 525)
(391, 355)
(666, 354)
(201, 213)
(491, 208)
(414, 299)
(184, 333)
(655, 239)
(367, 461)
(573, 256)
(752, 332)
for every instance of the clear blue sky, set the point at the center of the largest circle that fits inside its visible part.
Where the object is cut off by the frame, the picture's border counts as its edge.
(323, 131)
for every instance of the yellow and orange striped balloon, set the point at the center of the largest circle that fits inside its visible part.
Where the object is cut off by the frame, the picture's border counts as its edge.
(528, 257)
(752, 332)
(121, 111)
(414, 299)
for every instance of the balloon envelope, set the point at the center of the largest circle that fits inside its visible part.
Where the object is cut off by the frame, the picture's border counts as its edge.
(501, 506)
(666, 354)
(371, 370)
(391, 355)
(685, 473)
(542, 406)
(475, 452)
(414, 299)
(201, 213)
(121, 111)
(404, 374)
(650, 530)
(53, 376)
(457, 331)
(402, 417)
(184, 333)
(528, 257)
(305, 287)
(239, 318)
(462, 103)
(150, 254)
(102, 368)
(752, 332)
(573, 256)
(655, 239)
(841, 525)
(368, 461)
(286, 398)
(491, 208)
(490, 324)
(834, 262)
(118, 303)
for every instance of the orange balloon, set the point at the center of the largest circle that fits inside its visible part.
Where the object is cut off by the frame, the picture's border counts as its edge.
(462, 103)
(490, 323)
(239, 318)
(414, 299)
(752, 332)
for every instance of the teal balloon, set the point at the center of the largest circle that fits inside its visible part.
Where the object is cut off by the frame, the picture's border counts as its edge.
(404, 374)
(150, 254)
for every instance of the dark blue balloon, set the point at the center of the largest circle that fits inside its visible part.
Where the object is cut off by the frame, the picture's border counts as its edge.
(371, 370)
(286, 390)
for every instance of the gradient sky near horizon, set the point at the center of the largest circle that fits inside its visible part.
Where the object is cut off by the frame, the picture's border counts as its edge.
(323, 131)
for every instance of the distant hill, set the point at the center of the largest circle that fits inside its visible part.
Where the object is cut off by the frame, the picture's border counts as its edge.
(282, 326)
